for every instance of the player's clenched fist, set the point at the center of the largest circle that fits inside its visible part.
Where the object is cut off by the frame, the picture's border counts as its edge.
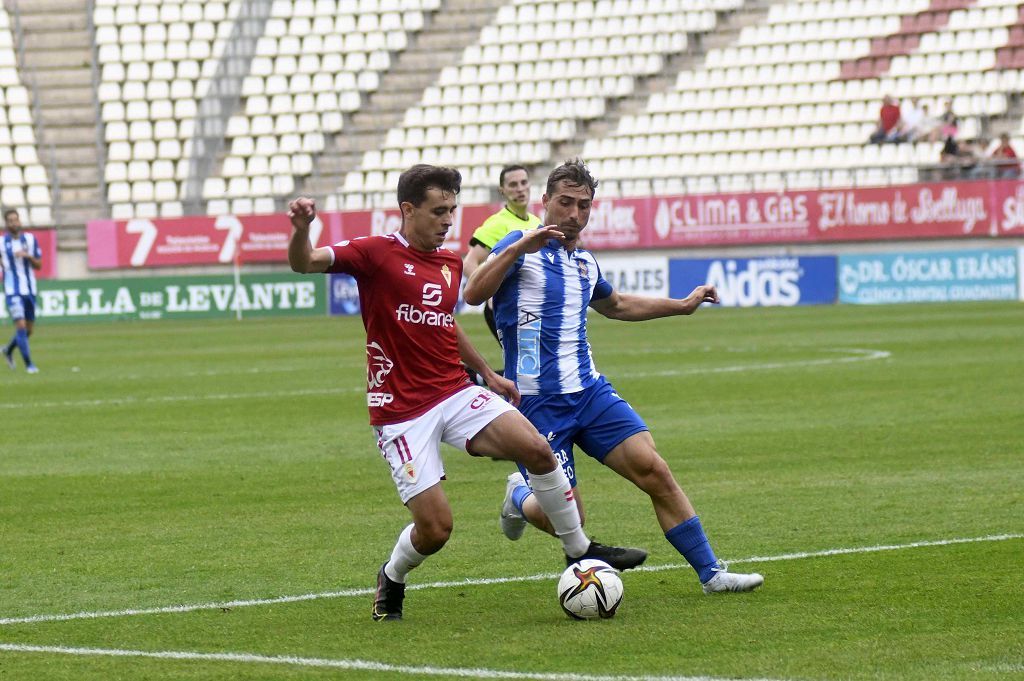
(301, 212)
(706, 293)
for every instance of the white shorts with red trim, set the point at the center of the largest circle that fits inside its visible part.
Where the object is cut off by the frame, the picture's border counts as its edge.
(413, 448)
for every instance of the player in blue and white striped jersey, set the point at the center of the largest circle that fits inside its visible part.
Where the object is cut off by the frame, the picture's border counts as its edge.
(20, 257)
(543, 283)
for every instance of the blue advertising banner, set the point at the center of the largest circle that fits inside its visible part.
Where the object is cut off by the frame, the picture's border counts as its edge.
(343, 295)
(930, 276)
(753, 282)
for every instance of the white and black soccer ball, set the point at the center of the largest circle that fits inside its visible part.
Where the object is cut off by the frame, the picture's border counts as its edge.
(590, 589)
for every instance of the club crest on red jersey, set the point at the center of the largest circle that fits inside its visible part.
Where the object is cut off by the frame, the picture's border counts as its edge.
(378, 365)
(447, 274)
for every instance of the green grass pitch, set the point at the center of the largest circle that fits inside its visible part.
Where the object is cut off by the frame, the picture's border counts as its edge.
(159, 464)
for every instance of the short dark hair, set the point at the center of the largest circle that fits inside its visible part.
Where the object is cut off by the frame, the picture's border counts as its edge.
(414, 182)
(510, 169)
(9, 211)
(573, 172)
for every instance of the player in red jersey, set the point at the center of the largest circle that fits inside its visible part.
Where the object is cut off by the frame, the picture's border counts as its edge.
(417, 391)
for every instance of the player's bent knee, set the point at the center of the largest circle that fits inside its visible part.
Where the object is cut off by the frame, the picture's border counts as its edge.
(659, 480)
(536, 456)
(433, 535)
(650, 473)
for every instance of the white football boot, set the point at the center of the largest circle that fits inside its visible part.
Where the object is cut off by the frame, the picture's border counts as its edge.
(512, 521)
(731, 581)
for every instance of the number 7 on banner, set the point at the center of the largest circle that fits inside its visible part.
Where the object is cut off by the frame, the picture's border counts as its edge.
(148, 232)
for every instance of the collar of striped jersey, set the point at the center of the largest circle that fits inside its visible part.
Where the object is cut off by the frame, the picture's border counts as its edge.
(556, 245)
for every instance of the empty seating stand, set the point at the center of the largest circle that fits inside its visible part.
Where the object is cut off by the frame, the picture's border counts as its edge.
(521, 90)
(155, 61)
(315, 63)
(797, 92)
(23, 180)
(764, 112)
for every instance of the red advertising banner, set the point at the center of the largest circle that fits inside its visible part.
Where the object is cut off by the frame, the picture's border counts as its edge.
(1008, 209)
(917, 211)
(951, 209)
(47, 239)
(209, 240)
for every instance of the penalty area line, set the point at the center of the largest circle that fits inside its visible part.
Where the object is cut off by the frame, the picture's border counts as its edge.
(352, 665)
(345, 593)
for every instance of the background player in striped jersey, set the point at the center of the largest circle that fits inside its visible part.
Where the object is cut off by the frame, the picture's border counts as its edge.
(542, 284)
(417, 391)
(20, 257)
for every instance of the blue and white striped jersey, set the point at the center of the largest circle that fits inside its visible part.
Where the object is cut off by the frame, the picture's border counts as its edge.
(19, 277)
(540, 310)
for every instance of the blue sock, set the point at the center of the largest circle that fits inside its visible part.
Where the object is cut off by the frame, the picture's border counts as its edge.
(689, 539)
(519, 495)
(21, 338)
(9, 348)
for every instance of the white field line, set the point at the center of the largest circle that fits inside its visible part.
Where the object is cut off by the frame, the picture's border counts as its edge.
(856, 355)
(163, 399)
(355, 665)
(481, 582)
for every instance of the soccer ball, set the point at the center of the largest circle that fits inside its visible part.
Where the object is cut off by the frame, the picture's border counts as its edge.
(590, 589)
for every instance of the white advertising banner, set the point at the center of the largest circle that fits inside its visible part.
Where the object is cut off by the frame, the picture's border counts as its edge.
(637, 275)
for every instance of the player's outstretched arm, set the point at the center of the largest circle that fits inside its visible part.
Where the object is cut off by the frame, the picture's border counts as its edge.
(301, 254)
(472, 358)
(476, 255)
(487, 278)
(629, 308)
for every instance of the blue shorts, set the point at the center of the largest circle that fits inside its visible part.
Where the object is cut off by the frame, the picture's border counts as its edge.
(595, 419)
(22, 307)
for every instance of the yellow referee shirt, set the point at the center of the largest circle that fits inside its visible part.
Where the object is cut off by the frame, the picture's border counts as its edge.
(498, 225)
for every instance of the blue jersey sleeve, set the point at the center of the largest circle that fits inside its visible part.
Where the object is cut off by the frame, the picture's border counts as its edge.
(505, 242)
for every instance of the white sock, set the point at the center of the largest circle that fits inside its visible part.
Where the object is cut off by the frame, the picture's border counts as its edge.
(555, 497)
(403, 557)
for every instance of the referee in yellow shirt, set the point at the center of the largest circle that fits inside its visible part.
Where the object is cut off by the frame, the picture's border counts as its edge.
(514, 186)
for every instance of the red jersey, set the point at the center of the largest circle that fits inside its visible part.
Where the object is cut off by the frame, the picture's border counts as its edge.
(890, 116)
(408, 300)
(1004, 152)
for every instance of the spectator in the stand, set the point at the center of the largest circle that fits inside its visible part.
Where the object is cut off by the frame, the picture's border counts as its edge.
(960, 160)
(949, 124)
(928, 129)
(1004, 159)
(889, 125)
(911, 120)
